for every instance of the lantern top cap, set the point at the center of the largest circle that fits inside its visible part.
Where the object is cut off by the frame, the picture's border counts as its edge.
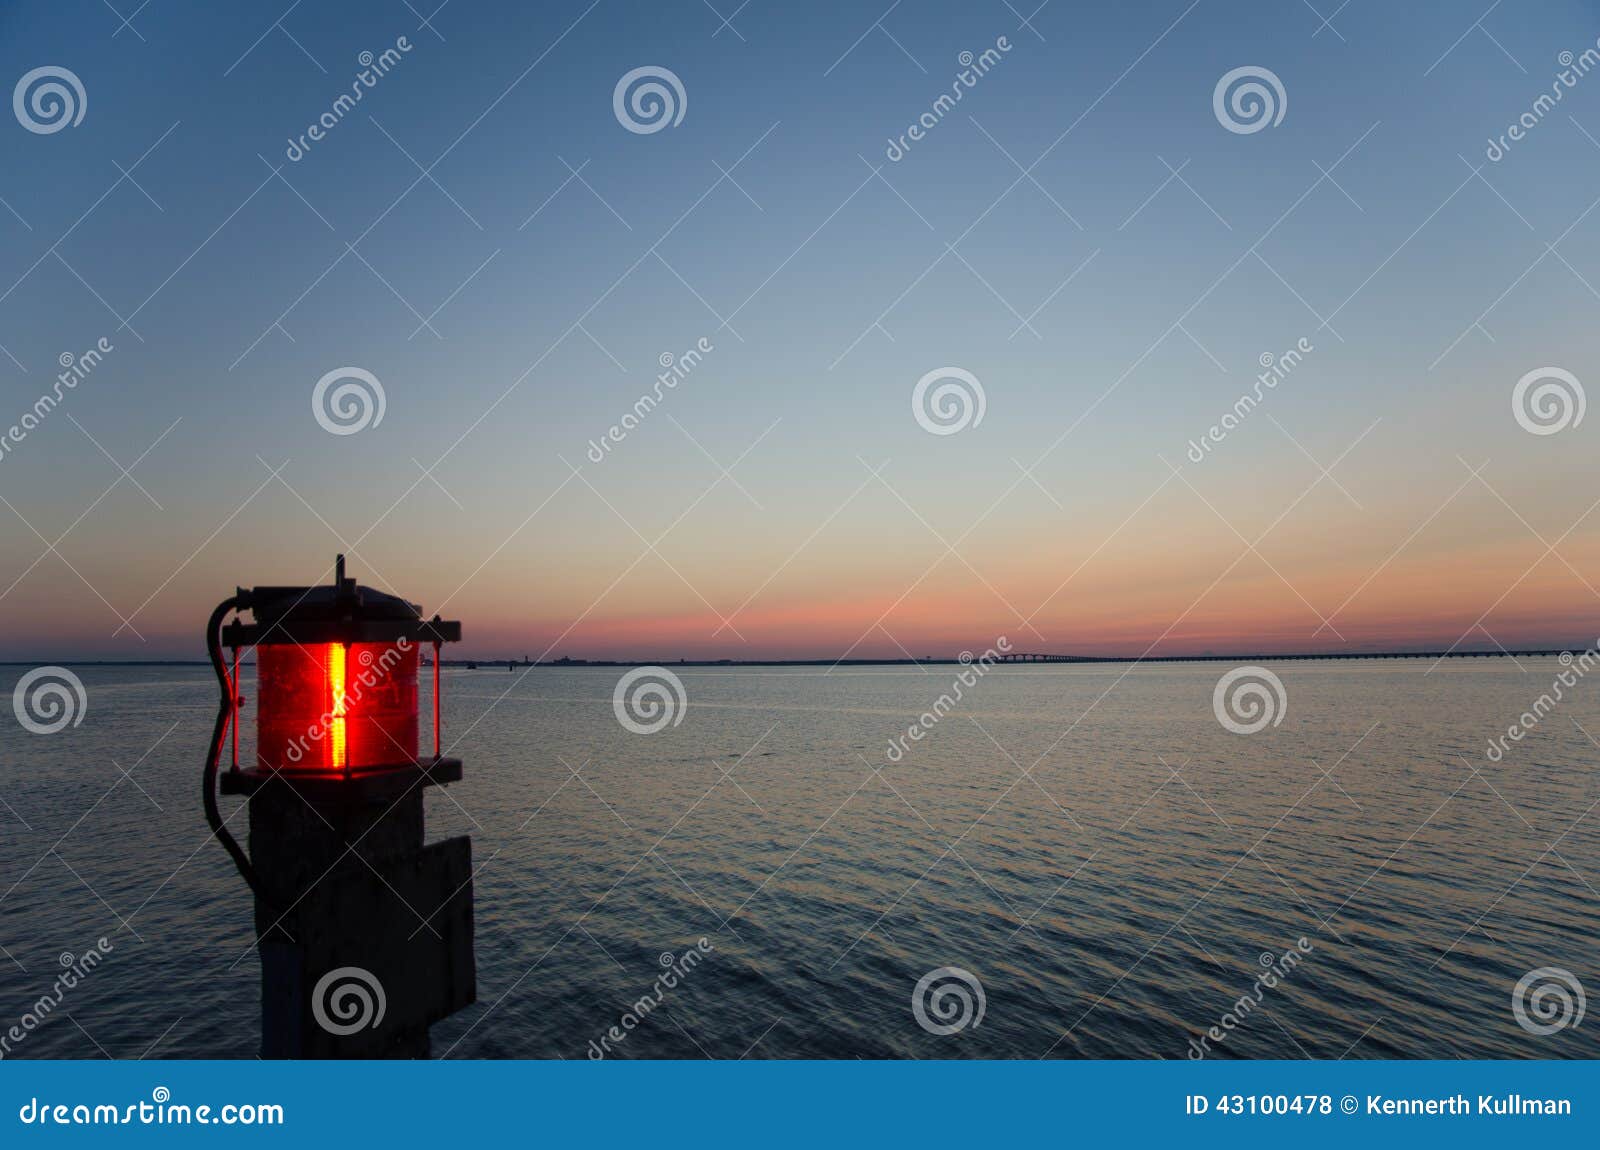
(341, 611)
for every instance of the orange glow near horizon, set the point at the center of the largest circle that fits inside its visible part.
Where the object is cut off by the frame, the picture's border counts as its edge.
(1170, 581)
(1122, 608)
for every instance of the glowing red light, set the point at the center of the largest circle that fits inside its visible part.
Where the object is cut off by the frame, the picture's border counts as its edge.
(336, 707)
(339, 707)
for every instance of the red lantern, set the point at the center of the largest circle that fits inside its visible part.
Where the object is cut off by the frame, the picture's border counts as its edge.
(336, 707)
(336, 683)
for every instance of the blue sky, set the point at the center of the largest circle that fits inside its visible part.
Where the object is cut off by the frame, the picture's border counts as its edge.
(821, 287)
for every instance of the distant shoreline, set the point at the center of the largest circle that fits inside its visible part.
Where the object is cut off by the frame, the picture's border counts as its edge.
(1054, 660)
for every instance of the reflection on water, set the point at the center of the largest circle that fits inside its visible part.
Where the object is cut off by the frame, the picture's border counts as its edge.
(1111, 873)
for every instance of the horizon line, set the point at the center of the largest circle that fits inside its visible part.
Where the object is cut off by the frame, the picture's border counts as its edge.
(1013, 659)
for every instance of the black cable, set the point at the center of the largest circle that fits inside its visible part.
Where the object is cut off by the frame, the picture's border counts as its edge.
(225, 711)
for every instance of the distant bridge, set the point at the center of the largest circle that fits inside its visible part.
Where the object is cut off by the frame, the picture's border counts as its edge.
(1032, 657)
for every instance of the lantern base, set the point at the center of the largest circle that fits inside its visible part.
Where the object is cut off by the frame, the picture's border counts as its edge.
(348, 891)
(365, 785)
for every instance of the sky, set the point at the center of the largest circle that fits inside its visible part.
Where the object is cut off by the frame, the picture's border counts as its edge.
(1087, 237)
